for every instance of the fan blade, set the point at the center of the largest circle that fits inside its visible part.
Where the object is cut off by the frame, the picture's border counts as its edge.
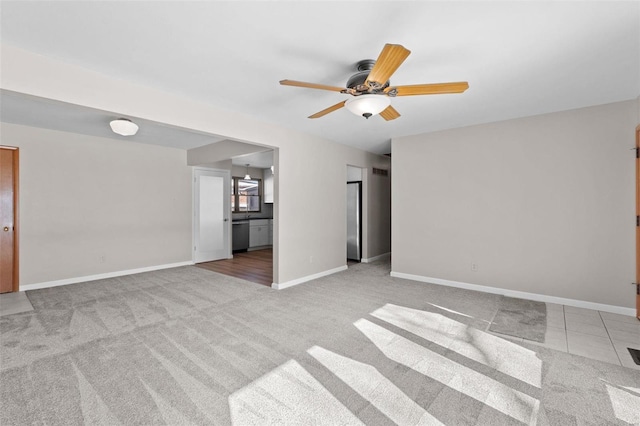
(391, 57)
(310, 85)
(328, 110)
(389, 113)
(430, 89)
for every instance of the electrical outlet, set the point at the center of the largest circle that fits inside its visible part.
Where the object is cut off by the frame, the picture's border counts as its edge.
(102, 259)
(310, 259)
(474, 267)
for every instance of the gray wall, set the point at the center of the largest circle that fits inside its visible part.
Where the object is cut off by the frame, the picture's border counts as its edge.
(92, 205)
(542, 204)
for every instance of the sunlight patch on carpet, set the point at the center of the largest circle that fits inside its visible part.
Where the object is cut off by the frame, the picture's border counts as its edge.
(626, 406)
(288, 395)
(496, 395)
(375, 388)
(506, 357)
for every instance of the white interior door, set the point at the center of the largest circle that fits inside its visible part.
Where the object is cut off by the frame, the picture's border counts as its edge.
(212, 211)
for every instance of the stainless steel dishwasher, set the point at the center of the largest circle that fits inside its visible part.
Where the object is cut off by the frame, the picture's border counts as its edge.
(240, 235)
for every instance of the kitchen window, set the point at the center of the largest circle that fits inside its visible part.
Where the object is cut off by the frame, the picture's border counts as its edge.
(246, 195)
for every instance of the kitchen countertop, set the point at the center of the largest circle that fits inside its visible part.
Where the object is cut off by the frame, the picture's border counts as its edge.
(251, 218)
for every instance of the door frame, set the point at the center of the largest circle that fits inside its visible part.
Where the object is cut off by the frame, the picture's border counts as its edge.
(227, 203)
(359, 183)
(637, 222)
(16, 216)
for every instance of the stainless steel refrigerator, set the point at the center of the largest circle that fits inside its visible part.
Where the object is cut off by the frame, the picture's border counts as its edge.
(354, 221)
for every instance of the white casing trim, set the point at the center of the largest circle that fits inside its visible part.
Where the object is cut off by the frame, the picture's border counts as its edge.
(520, 294)
(378, 257)
(280, 286)
(76, 280)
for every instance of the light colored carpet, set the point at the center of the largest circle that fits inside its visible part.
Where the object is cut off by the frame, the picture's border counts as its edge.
(521, 318)
(189, 346)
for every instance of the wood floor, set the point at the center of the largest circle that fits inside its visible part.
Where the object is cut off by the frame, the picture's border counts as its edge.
(255, 266)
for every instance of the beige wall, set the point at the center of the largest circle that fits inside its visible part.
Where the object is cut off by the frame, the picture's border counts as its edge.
(240, 171)
(91, 205)
(220, 165)
(310, 196)
(542, 204)
(354, 174)
(219, 151)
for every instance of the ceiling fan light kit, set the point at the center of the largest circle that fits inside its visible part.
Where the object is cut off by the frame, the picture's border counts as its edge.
(124, 127)
(371, 89)
(367, 105)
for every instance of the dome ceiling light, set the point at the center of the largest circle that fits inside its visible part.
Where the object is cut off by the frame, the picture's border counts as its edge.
(124, 127)
(367, 105)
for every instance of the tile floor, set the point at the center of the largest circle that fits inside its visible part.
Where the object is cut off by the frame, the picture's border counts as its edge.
(593, 334)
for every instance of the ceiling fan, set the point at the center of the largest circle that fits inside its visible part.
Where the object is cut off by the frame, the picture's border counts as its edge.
(371, 89)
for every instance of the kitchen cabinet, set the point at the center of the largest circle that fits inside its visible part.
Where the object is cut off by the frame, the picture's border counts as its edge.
(259, 233)
(267, 180)
(270, 232)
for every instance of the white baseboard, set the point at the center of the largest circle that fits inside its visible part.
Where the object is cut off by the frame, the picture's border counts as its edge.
(76, 280)
(280, 286)
(520, 294)
(259, 248)
(378, 257)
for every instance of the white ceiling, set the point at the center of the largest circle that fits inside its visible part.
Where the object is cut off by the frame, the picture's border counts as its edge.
(520, 58)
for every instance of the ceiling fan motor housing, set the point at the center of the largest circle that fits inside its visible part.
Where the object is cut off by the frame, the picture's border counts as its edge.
(356, 81)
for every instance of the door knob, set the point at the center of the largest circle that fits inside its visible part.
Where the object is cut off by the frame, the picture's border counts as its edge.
(6, 229)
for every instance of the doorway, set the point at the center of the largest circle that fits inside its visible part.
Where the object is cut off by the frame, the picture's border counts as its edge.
(8, 219)
(252, 210)
(637, 222)
(354, 214)
(211, 230)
